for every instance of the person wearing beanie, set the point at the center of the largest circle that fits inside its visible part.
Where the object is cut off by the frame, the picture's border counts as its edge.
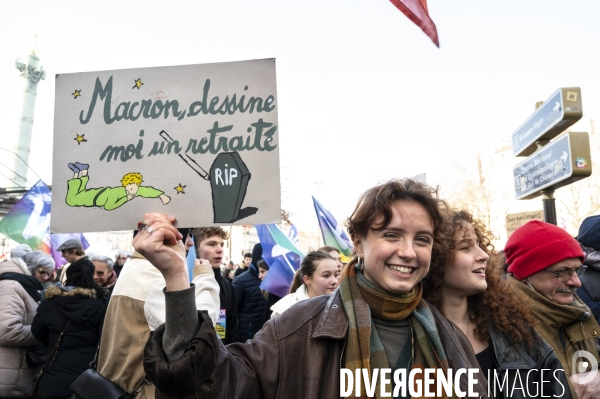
(589, 239)
(544, 267)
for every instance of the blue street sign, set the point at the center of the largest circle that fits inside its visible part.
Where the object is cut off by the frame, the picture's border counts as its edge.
(561, 162)
(556, 114)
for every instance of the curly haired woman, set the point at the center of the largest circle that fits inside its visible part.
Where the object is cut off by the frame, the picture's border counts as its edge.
(465, 284)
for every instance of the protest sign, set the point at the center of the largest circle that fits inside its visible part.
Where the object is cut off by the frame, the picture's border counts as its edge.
(199, 142)
(516, 220)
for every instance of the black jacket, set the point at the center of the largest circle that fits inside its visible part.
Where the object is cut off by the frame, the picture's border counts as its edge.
(239, 271)
(229, 303)
(251, 304)
(79, 342)
(529, 370)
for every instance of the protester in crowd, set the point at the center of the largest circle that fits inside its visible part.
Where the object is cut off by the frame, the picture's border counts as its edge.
(120, 259)
(19, 251)
(245, 264)
(19, 298)
(589, 239)
(209, 242)
(228, 274)
(251, 304)
(545, 264)
(394, 228)
(230, 265)
(335, 254)
(40, 265)
(104, 274)
(263, 269)
(69, 323)
(317, 275)
(71, 250)
(137, 307)
(465, 285)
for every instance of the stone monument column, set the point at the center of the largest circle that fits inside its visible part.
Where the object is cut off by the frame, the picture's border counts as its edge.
(32, 73)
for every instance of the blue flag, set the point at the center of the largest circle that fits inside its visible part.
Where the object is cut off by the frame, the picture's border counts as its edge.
(333, 235)
(282, 256)
(28, 222)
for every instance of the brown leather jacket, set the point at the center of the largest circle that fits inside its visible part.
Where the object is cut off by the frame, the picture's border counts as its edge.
(297, 355)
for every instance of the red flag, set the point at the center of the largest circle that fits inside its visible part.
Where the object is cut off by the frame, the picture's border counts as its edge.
(416, 11)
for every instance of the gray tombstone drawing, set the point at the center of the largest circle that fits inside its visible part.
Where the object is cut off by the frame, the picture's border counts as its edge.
(229, 179)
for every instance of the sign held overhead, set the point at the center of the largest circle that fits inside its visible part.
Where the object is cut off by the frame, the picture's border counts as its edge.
(556, 114)
(199, 142)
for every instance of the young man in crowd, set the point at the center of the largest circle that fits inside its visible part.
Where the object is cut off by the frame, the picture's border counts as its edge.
(209, 242)
(245, 264)
(136, 308)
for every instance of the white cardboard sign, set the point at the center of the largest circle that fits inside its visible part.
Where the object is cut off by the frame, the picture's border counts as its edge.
(199, 142)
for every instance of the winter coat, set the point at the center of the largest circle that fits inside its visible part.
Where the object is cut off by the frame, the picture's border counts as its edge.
(137, 307)
(17, 310)
(85, 314)
(239, 271)
(566, 328)
(287, 301)
(589, 239)
(589, 292)
(251, 304)
(296, 355)
(524, 367)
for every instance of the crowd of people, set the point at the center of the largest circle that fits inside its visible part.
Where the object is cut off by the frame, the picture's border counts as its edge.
(425, 288)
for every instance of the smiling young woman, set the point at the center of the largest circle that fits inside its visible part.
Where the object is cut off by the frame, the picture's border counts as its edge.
(375, 320)
(465, 284)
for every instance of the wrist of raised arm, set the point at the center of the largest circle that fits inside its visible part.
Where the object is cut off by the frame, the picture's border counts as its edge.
(177, 280)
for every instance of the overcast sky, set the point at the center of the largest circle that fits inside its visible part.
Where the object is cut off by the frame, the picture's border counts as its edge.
(363, 94)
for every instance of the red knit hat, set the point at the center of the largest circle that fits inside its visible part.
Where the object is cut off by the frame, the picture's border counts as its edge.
(537, 245)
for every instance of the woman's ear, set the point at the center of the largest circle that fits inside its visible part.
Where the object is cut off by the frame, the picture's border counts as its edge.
(306, 280)
(357, 246)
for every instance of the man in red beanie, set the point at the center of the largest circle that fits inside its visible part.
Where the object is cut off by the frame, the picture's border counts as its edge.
(544, 266)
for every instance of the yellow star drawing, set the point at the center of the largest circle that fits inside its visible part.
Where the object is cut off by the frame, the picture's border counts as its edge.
(180, 188)
(80, 138)
(76, 93)
(138, 83)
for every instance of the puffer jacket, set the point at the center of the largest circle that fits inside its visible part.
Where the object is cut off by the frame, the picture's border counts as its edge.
(589, 239)
(17, 310)
(589, 292)
(85, 314)
(251, 304)
(297, 355)
(536, 369)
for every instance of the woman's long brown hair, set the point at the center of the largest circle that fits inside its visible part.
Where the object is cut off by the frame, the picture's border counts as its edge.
(497, 304)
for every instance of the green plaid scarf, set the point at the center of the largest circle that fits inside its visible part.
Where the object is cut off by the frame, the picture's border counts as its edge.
(364, 349)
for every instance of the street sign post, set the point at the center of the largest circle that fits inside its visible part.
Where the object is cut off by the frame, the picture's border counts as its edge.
(556, 114)
(561, 162)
